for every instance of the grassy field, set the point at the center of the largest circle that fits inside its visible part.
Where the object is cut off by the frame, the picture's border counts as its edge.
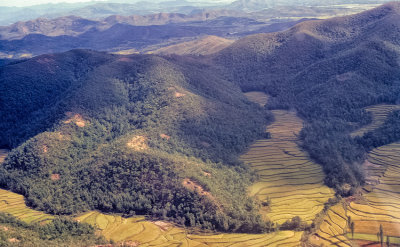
(379, 115)
(292, 182)
(382, 205)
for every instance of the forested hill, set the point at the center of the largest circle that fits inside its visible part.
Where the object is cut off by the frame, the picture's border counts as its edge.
(327, 71)
(136, 134)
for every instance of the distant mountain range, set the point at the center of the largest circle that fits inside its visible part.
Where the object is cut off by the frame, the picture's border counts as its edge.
(97, 10)
(144, 33)
(118, 33)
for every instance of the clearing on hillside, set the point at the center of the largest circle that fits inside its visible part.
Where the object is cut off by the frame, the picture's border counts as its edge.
(257, 97)
(289, 181)
(379, 116)
(3, 155)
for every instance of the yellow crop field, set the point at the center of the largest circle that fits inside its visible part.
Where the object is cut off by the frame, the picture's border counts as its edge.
(333, 229)
(379, 115)
(14, 204)
(147, 233)
(288, 178)
(382, 205)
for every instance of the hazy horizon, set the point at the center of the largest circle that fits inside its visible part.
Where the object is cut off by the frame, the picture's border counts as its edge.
(25, 3)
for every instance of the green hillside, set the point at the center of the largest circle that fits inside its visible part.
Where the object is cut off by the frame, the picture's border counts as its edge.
(131, 135)
(327, 71)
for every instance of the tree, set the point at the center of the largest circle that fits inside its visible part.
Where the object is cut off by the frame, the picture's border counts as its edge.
(380, 235)
(387, 241)
(352, 229)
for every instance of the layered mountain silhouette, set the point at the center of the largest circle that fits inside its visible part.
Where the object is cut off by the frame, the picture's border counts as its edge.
(132, 131)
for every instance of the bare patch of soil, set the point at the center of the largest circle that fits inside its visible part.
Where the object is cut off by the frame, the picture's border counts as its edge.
(179, 95)
(164, 136)
(13, 240)
(193, 186)
(55, 177)
(207, 174)
(163, 225)
(76, 119)
(138, 143)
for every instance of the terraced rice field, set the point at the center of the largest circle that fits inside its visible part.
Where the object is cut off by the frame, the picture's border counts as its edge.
(3, 155)
(333, 229)
(14, 204)
(382, 205)
(292, 182)
(148, 233)
(379, 115)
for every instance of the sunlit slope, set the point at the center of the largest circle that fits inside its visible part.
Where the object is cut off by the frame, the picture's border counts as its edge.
(292, 182)
(147, 233)
(163, 234)
(3, 154)
(257, 97)
(379, 116)
(333, 229)
(14, 204)
(382, 205)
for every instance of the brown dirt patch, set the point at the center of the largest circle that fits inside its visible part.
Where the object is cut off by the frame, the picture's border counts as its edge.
(179, 95)
(193, 186)
(125, 59)
(164, 136)
(163, 225)
(207, 174)
(4, 228)
(13, 240)
(138, 143)
(45, 149)
(130, 244)
(75, 118)
(55, 177)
